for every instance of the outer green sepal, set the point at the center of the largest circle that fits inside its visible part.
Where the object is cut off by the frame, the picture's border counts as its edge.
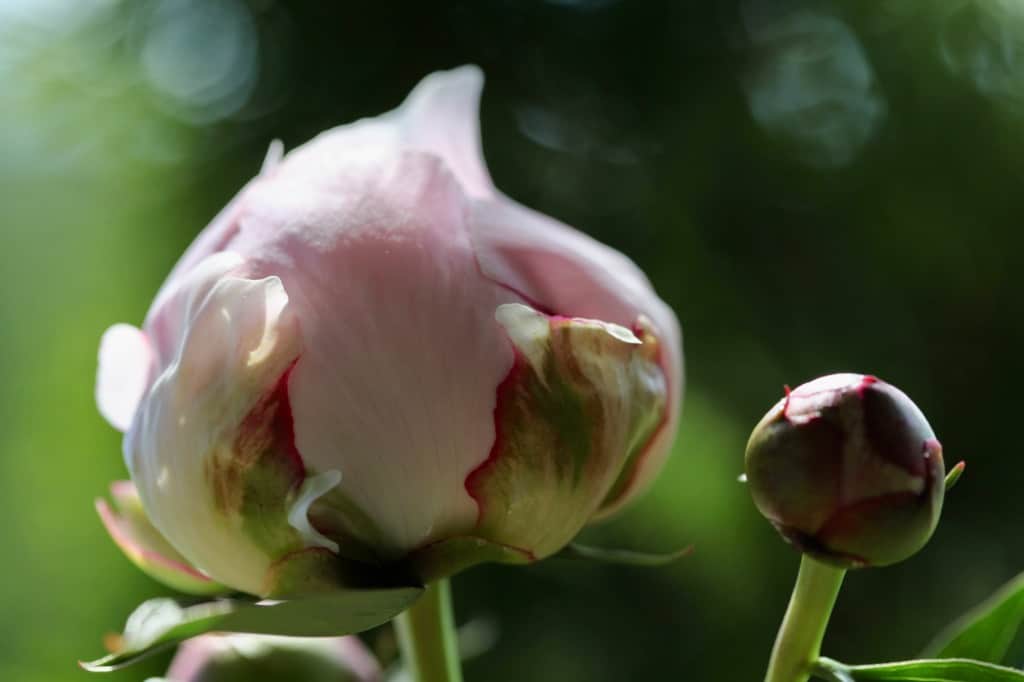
(159, 623)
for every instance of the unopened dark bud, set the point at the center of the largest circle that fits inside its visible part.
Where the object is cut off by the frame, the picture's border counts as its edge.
(848, 470)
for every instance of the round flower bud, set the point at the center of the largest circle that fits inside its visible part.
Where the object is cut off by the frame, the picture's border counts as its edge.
(373, 362)
(848, 470)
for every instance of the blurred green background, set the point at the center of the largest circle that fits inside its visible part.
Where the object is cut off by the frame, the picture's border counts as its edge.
(813, 186)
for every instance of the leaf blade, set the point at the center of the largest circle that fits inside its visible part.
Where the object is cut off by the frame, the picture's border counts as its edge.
(159, 623)
(925, 670)
(987, 631)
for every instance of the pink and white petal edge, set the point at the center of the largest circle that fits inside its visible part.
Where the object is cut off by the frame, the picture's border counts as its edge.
(441, 116)
(173, 572)
(125, 363)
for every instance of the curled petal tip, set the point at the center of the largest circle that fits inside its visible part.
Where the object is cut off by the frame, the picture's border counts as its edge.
(311, 489)
(441, 116)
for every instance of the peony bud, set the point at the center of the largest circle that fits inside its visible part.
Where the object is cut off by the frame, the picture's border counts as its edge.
(373, 359)
(847, 469)
(242, 658)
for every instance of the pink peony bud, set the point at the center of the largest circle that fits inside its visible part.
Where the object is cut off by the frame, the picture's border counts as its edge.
(847, 468)
(243, 658)
(373, 357)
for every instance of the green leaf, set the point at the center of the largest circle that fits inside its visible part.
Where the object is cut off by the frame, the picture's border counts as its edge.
(941, 670)
(986, 631)
(621, 556)
(159, 623)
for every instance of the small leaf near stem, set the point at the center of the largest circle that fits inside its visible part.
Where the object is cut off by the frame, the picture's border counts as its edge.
(160, 623)
(798, 643)
(427, 637)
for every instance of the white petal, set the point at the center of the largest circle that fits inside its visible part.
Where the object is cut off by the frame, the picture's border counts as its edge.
(125, 362)
(528, 329)
(237, 339)
(312, 488)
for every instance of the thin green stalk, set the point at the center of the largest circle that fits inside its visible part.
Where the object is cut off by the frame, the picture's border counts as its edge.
(798, 643)
(426, 636)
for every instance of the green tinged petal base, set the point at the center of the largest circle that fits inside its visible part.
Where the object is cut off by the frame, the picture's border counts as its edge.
(581, 400)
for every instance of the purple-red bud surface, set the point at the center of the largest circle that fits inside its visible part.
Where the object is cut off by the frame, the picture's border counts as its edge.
(848, 470)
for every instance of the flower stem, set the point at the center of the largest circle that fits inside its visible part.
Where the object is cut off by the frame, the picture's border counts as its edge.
(426, 636)
(798, 643)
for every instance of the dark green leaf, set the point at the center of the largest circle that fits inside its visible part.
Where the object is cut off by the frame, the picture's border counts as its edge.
(985, 632)
(621, 556)
(159, 623)
(934, 670)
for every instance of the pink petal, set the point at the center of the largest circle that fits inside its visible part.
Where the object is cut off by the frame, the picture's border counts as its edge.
(441, 116)
(221, 230)
(561, 271)
(401, 354)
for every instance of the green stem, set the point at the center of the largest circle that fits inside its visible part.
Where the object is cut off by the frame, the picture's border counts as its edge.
(798, 643)
(426, 636)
